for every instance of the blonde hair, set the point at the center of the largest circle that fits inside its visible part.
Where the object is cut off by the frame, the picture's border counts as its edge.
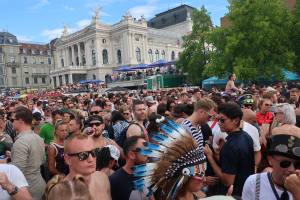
(78, 136)
(60, 189)
(205, 104)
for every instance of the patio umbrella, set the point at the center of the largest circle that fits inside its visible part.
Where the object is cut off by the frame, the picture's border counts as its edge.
(140, 66)
(124, 68)
(160, 63)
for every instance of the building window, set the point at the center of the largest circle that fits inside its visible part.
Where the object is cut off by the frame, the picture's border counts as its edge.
(156, 55)
(34, 61)
(105, 56)
(150, 55)
(119, 55)
(67, 79)
(163, 55)
(35, 80)
(1, 81)
(94, 77)
(27, 80)
(173, 55)
(62, 62)
(83, 60)
(49, 61)
(43, 80)
(104, 41)
(1, 69)
(138, 55)
(12, 59)
(1, 58)
(25, 60)
(13, 70)
(26, 72)
(94, 57)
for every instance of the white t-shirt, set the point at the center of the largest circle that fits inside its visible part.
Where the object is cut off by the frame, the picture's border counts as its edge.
(247, 127)
(266, 192)
(15, 176)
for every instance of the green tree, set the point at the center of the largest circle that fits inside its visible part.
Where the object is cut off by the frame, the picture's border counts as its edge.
(296, 37)
(257, 43)
(196, 52)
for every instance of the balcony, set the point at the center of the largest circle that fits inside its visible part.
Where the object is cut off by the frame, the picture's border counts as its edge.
(68, 69)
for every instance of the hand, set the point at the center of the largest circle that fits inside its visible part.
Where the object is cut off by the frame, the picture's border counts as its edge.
(229, 191)
(4, 182)
(208, 152)
(211, 180)
(292, 183)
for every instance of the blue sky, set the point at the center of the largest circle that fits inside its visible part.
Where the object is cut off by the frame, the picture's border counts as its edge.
(43, 20)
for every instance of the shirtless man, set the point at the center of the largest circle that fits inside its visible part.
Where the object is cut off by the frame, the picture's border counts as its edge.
(230, 86)
(80, 155)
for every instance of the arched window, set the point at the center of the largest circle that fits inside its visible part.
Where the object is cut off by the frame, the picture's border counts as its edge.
(156, 55)
(173, 55)
(150, 55)
(94, 57)
(163, 55)
(62, 62)
(138, 55)
(119, 55)
(105, 56)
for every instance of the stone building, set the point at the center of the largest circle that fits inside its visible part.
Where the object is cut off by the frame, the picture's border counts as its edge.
(94, 51)
(23, 65)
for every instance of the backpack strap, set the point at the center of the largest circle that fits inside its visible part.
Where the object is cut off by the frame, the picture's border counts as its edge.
(257, 187)
(135, 123)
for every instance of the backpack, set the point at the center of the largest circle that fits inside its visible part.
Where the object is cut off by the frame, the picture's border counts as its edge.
(121, 139)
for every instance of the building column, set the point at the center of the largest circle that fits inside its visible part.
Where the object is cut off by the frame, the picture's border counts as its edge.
(145, 51)
(73, 56)
(79, 54)
(99, 59)
(63, 79)
(87, 54)
(67, 57)
(70, 78)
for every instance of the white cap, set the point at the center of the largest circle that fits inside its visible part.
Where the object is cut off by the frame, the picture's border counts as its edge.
(114, 152)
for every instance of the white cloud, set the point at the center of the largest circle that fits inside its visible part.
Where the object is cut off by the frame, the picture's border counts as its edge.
(147, 10)
(83, 23)
(40, 4)
(51, 34)
(68, 8)
(24, 38)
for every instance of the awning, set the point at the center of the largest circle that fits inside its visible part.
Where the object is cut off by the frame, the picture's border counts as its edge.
(90, 81)
(124, 68)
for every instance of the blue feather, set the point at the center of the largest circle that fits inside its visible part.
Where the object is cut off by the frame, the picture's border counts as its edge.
(177, 185)
(155, 147)
(175, 126)
(149, 152)
(144, 167)
(142, 174)
(163, 140)
(173, 133)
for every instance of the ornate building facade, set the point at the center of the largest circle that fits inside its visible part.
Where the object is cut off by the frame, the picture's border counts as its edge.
(24, 65)
(94, 51)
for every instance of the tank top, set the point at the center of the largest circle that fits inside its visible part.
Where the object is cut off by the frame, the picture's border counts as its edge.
(60, 163)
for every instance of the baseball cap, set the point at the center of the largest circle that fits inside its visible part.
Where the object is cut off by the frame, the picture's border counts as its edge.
(114, 152)
(149, 99)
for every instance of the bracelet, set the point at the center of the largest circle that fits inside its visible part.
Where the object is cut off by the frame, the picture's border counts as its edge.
(15, 191)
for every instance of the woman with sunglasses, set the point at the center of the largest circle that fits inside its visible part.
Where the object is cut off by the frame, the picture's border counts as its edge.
(56, 162)
(283, 155)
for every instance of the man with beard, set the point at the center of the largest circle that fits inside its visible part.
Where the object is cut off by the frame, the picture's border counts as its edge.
(95, 130)
(121, 181)
(137, 128)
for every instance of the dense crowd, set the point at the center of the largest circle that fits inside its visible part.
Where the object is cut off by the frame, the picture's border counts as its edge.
(180, 143)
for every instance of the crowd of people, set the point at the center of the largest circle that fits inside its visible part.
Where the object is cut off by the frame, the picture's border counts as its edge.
(180, 143)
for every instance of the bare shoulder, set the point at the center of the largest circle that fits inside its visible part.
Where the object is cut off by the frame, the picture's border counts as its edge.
(133, 130)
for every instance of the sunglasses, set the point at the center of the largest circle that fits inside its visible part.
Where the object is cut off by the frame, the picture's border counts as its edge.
(268, 105)
(95, 112)
(84, 155)
(221, 120)
(126, 113)
(96, 124)
(287, 163)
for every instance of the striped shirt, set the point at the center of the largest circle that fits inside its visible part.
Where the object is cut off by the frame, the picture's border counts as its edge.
(195, 131)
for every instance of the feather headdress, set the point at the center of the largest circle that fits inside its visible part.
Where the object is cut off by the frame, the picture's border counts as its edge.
(176, 156)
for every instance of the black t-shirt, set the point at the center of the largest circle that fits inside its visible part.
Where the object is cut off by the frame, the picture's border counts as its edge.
(206, 132)
(237, 158)
(120, 185)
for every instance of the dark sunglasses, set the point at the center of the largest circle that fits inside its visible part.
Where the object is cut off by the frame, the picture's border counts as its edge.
(221, 120)
(96, 124)
(95, 112)
(126, 113)
(84, 155)
(287, 163)
(268, 104)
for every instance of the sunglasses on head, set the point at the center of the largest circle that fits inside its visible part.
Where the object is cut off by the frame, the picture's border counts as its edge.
(84, 155)
(96, 124)
(95, 112)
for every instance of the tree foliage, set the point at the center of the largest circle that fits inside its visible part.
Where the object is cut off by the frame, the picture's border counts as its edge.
(195, 55)
(256, 44)
(296, 36)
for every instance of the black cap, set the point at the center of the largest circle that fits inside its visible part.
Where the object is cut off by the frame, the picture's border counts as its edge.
(284, 145)
(37, 116)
